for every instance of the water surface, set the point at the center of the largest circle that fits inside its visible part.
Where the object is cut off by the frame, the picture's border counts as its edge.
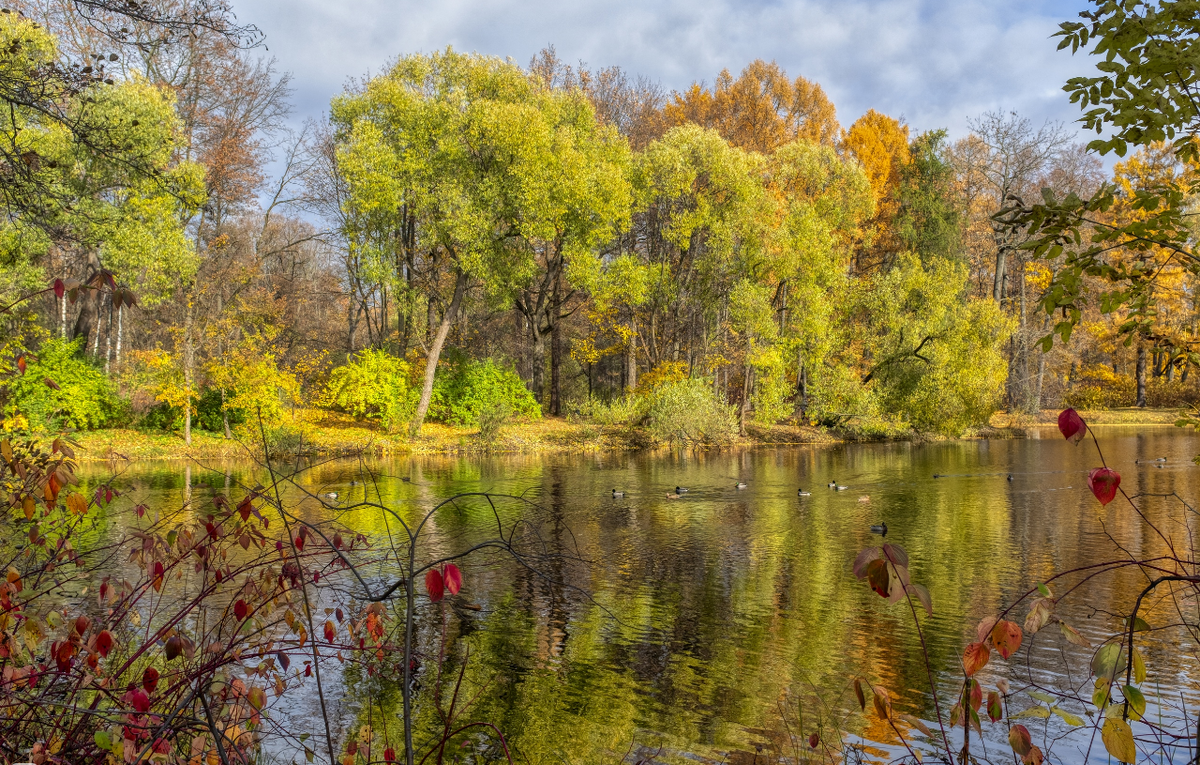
(726, 624)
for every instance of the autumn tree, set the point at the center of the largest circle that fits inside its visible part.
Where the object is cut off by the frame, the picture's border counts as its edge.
(760, 110)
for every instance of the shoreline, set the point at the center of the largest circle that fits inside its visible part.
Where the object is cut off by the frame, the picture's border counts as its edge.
(334, 435)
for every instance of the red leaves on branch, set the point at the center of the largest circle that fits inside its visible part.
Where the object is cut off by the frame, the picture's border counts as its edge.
(81, 625)
(1072, 426)
(453, 578)
(434, 584)
(137, 700)
(241, 610)
(174, 647)
(150, 679)
(813, 741)
(159, 573)
(285, 661)
(244, 507)
(60, 289)
(104, 643)
(330, 631)
(1020, 740)
(1104, 483)
(389, 755)
(21, 363)
(975, 658)
(1007, 637)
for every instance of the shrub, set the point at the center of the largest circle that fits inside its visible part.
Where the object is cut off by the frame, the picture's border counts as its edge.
(1098, 387)
(687, 412)
(628, 410)
(374, 385)
(85, 398)
(470, 388)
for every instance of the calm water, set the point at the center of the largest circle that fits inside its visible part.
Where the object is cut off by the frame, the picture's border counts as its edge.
(725, 624)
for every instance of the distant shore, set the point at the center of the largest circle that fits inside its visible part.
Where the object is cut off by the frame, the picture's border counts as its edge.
(331, 434)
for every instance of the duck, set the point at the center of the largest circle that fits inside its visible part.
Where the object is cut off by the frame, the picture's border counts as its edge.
(1010, 476)
(880, 529)
(937, 475)
(330, 495)
(840, 488)
(832, 484)
(618, 494)
(740, 485)
(672, 495)
(680, 489)
(803, 493)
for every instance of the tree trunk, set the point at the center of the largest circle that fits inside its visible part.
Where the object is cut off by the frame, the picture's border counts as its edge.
(537, 366)
(556, 365)
(631, 361)
(120, 333)
(1141, 376)
(189, 361)
(435, 351)
(108, 343)
(998, 282)
(745, 394)
(225, 416)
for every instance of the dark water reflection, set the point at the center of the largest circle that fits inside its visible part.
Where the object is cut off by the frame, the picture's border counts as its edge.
(708, 625)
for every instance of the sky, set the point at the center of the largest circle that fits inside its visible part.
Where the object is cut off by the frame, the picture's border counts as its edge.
(934, 63)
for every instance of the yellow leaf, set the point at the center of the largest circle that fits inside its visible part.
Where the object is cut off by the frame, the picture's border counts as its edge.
(1118, 739)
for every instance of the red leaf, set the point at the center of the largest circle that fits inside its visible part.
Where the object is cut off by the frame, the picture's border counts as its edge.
(994, 710)
(82, 624)
(137, 699)
(976, 695)
(453, 578)
(104, 643)
(1006, 636)
(330, 631)
(308, 670)
(50, 383)
(1020, 740)
(150, 679)
(389, 755)
(300, 543)
(877, 576)
(341, 617)
(241, 610)
(285, 661)
(813, 741)
(21, 363)
(975, 658)
(433, 584)
(1071, 425)
(1104, 482)
(60, 289)
(174, 647)
(244, 508)
(159, 571)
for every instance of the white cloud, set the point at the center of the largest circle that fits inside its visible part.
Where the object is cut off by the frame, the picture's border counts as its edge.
(934, 62)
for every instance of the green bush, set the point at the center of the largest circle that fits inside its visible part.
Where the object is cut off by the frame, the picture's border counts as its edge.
(374, 385)
(628, 410)
(687, 412)
(467, 389)
(85, 399)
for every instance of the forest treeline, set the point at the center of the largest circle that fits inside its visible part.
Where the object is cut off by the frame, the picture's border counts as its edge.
(468, 240)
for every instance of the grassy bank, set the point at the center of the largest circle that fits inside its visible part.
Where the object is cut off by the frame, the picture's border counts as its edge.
(328, 433)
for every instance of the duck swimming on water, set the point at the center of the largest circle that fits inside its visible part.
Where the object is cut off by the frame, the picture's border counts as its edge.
(840, 488)
(680, 489)
(739, 485)
(880, 529)
(618, 494)
(832, 484)
(803, 493)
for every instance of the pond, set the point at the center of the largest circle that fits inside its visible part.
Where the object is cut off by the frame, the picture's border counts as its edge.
(726, 624)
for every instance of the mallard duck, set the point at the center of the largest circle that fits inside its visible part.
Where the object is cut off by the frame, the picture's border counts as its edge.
(330, 495)
(803, 493)
(1010, 476)
(618, 494)
(832, 484)
(880, 529)
(840, 488)
(740, 485)
(680, 489)
(672, 495)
